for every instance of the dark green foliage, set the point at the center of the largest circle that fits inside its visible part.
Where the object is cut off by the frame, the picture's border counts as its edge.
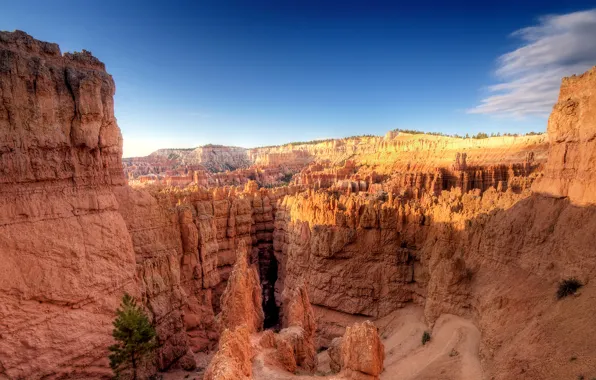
(568, 287)
(425, 337)
(135, 336)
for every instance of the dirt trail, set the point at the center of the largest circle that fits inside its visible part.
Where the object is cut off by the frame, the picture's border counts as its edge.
(452, 352)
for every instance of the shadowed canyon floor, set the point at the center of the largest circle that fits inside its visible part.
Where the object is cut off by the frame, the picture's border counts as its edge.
(329, 258)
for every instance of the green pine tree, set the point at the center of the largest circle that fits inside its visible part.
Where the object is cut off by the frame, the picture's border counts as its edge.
(134, 334)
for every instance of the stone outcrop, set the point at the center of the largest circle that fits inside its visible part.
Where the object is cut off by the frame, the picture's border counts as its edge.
(241, 302)
(66, 255)
(215, 158)
(334, 352)
(73, 238)
(572, 131)
(357, 162)
(295, 343)
(233, 358)
(362, 352)
(328, 240)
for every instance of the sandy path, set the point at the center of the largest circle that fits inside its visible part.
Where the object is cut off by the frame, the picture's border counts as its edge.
(452, 353)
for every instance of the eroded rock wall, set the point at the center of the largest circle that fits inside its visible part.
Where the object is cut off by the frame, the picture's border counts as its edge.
(362, 353)
(233, 360)
(493, 254)
(571, 131)
(458, 226)
(241, 302)
(73, 237)
(66, 255)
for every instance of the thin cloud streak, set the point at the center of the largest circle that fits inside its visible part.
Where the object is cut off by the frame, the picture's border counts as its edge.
(559, 46)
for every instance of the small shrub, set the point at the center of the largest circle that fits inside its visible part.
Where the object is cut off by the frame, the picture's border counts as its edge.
(568, 287)
(425, 337)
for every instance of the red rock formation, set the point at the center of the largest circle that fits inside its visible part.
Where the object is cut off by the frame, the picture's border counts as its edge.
(371, 225)
(362, 352)
(66, 253)
(334, 352)
(241, 303)
(329, 240)
(299, 332)
(155, 235)
(571, 131)
(72, 237)
(233, 358)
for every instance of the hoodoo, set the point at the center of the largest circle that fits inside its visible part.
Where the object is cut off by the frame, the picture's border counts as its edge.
(404, 256)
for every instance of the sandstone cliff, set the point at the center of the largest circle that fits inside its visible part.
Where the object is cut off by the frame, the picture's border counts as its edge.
(356, 162)
(571, 131)
(73, 238)
(241, 302)
(474, 231)
(67, 256)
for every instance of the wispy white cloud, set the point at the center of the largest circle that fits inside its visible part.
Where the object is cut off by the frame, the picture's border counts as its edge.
(560, 45)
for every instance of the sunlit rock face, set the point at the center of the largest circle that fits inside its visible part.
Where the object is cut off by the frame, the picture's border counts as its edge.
(303, 238)
(572, 131)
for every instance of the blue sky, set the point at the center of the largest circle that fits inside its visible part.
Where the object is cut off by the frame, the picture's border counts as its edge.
(252, 73)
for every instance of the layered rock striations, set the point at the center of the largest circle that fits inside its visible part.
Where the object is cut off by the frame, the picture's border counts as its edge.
(362, 352)
(67, 256)
(298, 333)
(165, 275)
(354, 162)
(73, 237)
(481, 228)
(233, 360)
(571, 131)
(241, 302)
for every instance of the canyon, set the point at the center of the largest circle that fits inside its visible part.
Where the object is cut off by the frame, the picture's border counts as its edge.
(327, 258)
